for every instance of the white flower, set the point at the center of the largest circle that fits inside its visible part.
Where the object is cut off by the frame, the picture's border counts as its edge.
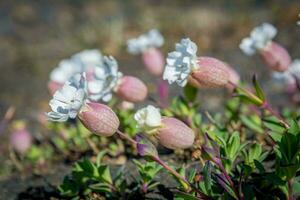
(288, 77)
(88, 58)
(259, 37)
(84, 61)
(106, 78)
(181, 62)
(67, 101)
(65, 69)
(148, 117)
(142, 43)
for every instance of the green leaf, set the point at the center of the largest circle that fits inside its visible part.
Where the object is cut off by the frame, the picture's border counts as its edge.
(184, 196)
(100, 187)
(258, 89)
(190, 93)
(104, 173)
(100, 157)
(207, 177)
(252, 123)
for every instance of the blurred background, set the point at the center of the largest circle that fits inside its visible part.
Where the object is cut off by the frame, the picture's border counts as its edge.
(36, 35)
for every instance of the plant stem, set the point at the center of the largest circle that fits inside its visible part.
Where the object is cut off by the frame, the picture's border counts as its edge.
(164, 165)
(264, 105)
(179, 176)
(290, 189)
(14, 159)
(126, 137)
(267, 106)
(92, 145)
(230, 181)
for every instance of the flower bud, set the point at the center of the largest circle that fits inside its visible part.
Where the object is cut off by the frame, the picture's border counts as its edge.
(99, 119)
(145, 147)
(276, 57)
(175, 134)
(154, 61)
(210, 73)
(21, 139)
(54, 86)
(131, 89)
(234, 78)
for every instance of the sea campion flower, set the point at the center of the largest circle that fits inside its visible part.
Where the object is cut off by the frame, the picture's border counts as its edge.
(20, 138)
(108, 79)
(274, 55)
(170, 132)
(71, 101)
(84, 61)
(147, 45)
(291, 76)
(67, 101)
(183, 66)
(148, 117)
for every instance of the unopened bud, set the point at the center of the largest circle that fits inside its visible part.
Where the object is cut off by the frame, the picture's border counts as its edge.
(174, 134)
(131, 89)
(145, 147)
(210, 73)
(99, 119)
(154, 61)
(21, 139)
(276, 57)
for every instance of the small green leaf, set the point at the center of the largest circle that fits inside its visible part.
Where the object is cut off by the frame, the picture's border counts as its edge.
(190, 93)
(207, 177)
(258, 89)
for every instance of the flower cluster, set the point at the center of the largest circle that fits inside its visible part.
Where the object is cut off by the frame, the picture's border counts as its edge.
(181, 62)
(259, 38)
(152, 39)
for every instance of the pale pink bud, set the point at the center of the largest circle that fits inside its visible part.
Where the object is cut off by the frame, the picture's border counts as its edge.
(210, 73)
(276, 57)
(53, 87)
(174, 134)
(99, 119)
(131, 89)
(234, 78)
(21, 140)
(154, 61)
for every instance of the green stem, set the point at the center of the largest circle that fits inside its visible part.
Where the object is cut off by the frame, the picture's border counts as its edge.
(290, 189)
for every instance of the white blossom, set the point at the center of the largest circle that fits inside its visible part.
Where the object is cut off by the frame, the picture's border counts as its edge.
(259, 37)
(148, 117)
(84, 61)
(288, 77)
(67, 101)
(65, 70)
(145, 41)
(106, 77)
(181, 62)
(88, 58)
